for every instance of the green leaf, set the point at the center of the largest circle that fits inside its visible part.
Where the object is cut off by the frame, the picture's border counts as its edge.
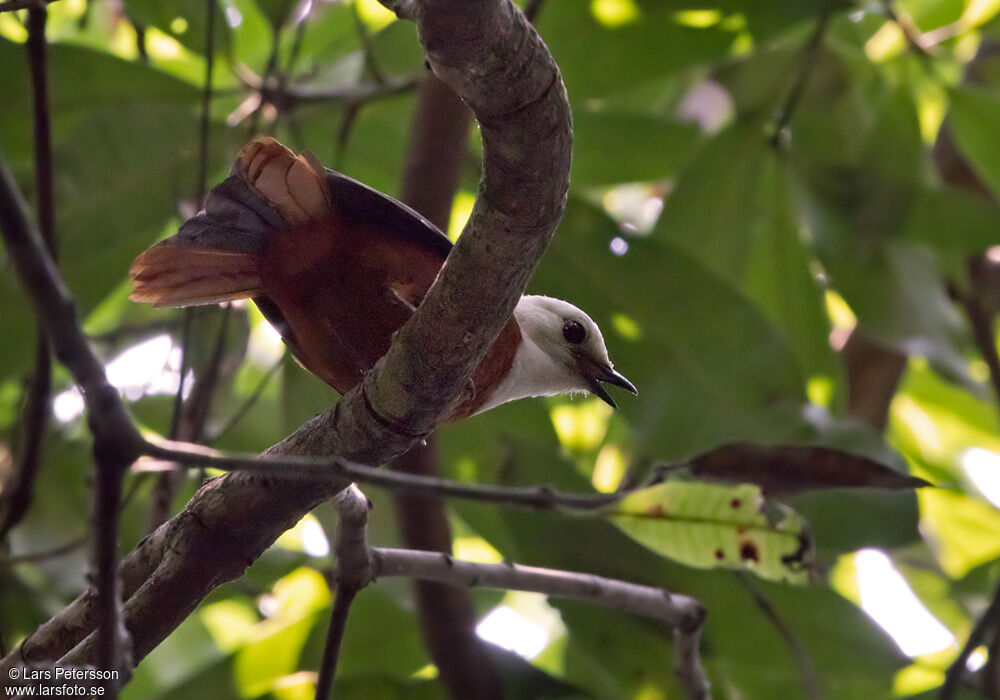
(596, 59)
(732, 211)
(708, 526)
(717, 200)
(856, 213)
(192, 28)
(613, 147)
(953, 219)
(974, 117)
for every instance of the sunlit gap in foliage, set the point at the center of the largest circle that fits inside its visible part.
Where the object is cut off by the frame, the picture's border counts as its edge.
(581, 425)
(265, 345)
(709, 105)
(150, 367)
(888, 599)
(461, 210)
(307, 537)
(842, 318)
(234, 17)
(698, 18)
(982, 467)
(615, 13)
(635, 207)
(374, 14)
(524, 624)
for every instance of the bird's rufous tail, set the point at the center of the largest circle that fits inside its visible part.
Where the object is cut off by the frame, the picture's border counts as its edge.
(215, 257)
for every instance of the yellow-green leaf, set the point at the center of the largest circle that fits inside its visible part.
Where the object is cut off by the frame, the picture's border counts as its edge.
(708, 525)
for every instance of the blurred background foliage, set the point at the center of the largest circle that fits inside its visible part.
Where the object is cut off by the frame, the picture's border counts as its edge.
(758, 187)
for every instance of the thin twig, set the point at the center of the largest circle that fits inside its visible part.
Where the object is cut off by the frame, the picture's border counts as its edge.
(116, 440)
(367, 49)
(293, 54)
(178, 405)
(54, 553)
(991, 670)
(688, 666)
(810, 682)
(358, 565)
(676, 610)
(18, 494)
(981, 322)
(206, 101)
(990, 621)
(171, 455)
(914, 38)
(112, 640)
(272, 63)
(191, 427)
(166, 486)
(810, 51)
(334, 636)
(355, 566)
(248, 403)
(354, 94)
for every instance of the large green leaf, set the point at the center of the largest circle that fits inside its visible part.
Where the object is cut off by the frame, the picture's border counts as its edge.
(614, 147)
(732, 211)
(184, 20)
(596, 59)
(711, 525)
(952, 219)
(855, 215)
(974, 117)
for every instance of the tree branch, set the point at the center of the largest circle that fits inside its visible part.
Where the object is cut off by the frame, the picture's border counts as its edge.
(317, 470)
(873, 374)
(810, 52)
(358, 565)
(439, 138)
(354, 573)
(675, 610)
(489, 55)
(116, 441)
(18, 493)
(989, 623)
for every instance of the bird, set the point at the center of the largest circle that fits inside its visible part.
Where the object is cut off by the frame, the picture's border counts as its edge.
(337, 267)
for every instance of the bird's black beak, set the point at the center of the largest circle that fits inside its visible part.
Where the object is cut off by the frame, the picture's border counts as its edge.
(596, 372)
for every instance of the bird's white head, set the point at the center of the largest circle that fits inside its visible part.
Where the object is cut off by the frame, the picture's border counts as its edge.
(562, 351)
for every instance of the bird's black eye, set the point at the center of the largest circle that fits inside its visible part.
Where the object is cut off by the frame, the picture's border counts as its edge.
(574, 332)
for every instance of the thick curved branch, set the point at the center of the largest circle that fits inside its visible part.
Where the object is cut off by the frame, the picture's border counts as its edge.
(486, 51)
(438, 144)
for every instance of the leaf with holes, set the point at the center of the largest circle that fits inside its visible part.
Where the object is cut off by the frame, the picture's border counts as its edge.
(708, 525)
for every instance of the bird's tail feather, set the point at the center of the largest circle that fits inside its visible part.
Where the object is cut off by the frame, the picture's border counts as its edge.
(172, 274)
(215, 257)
